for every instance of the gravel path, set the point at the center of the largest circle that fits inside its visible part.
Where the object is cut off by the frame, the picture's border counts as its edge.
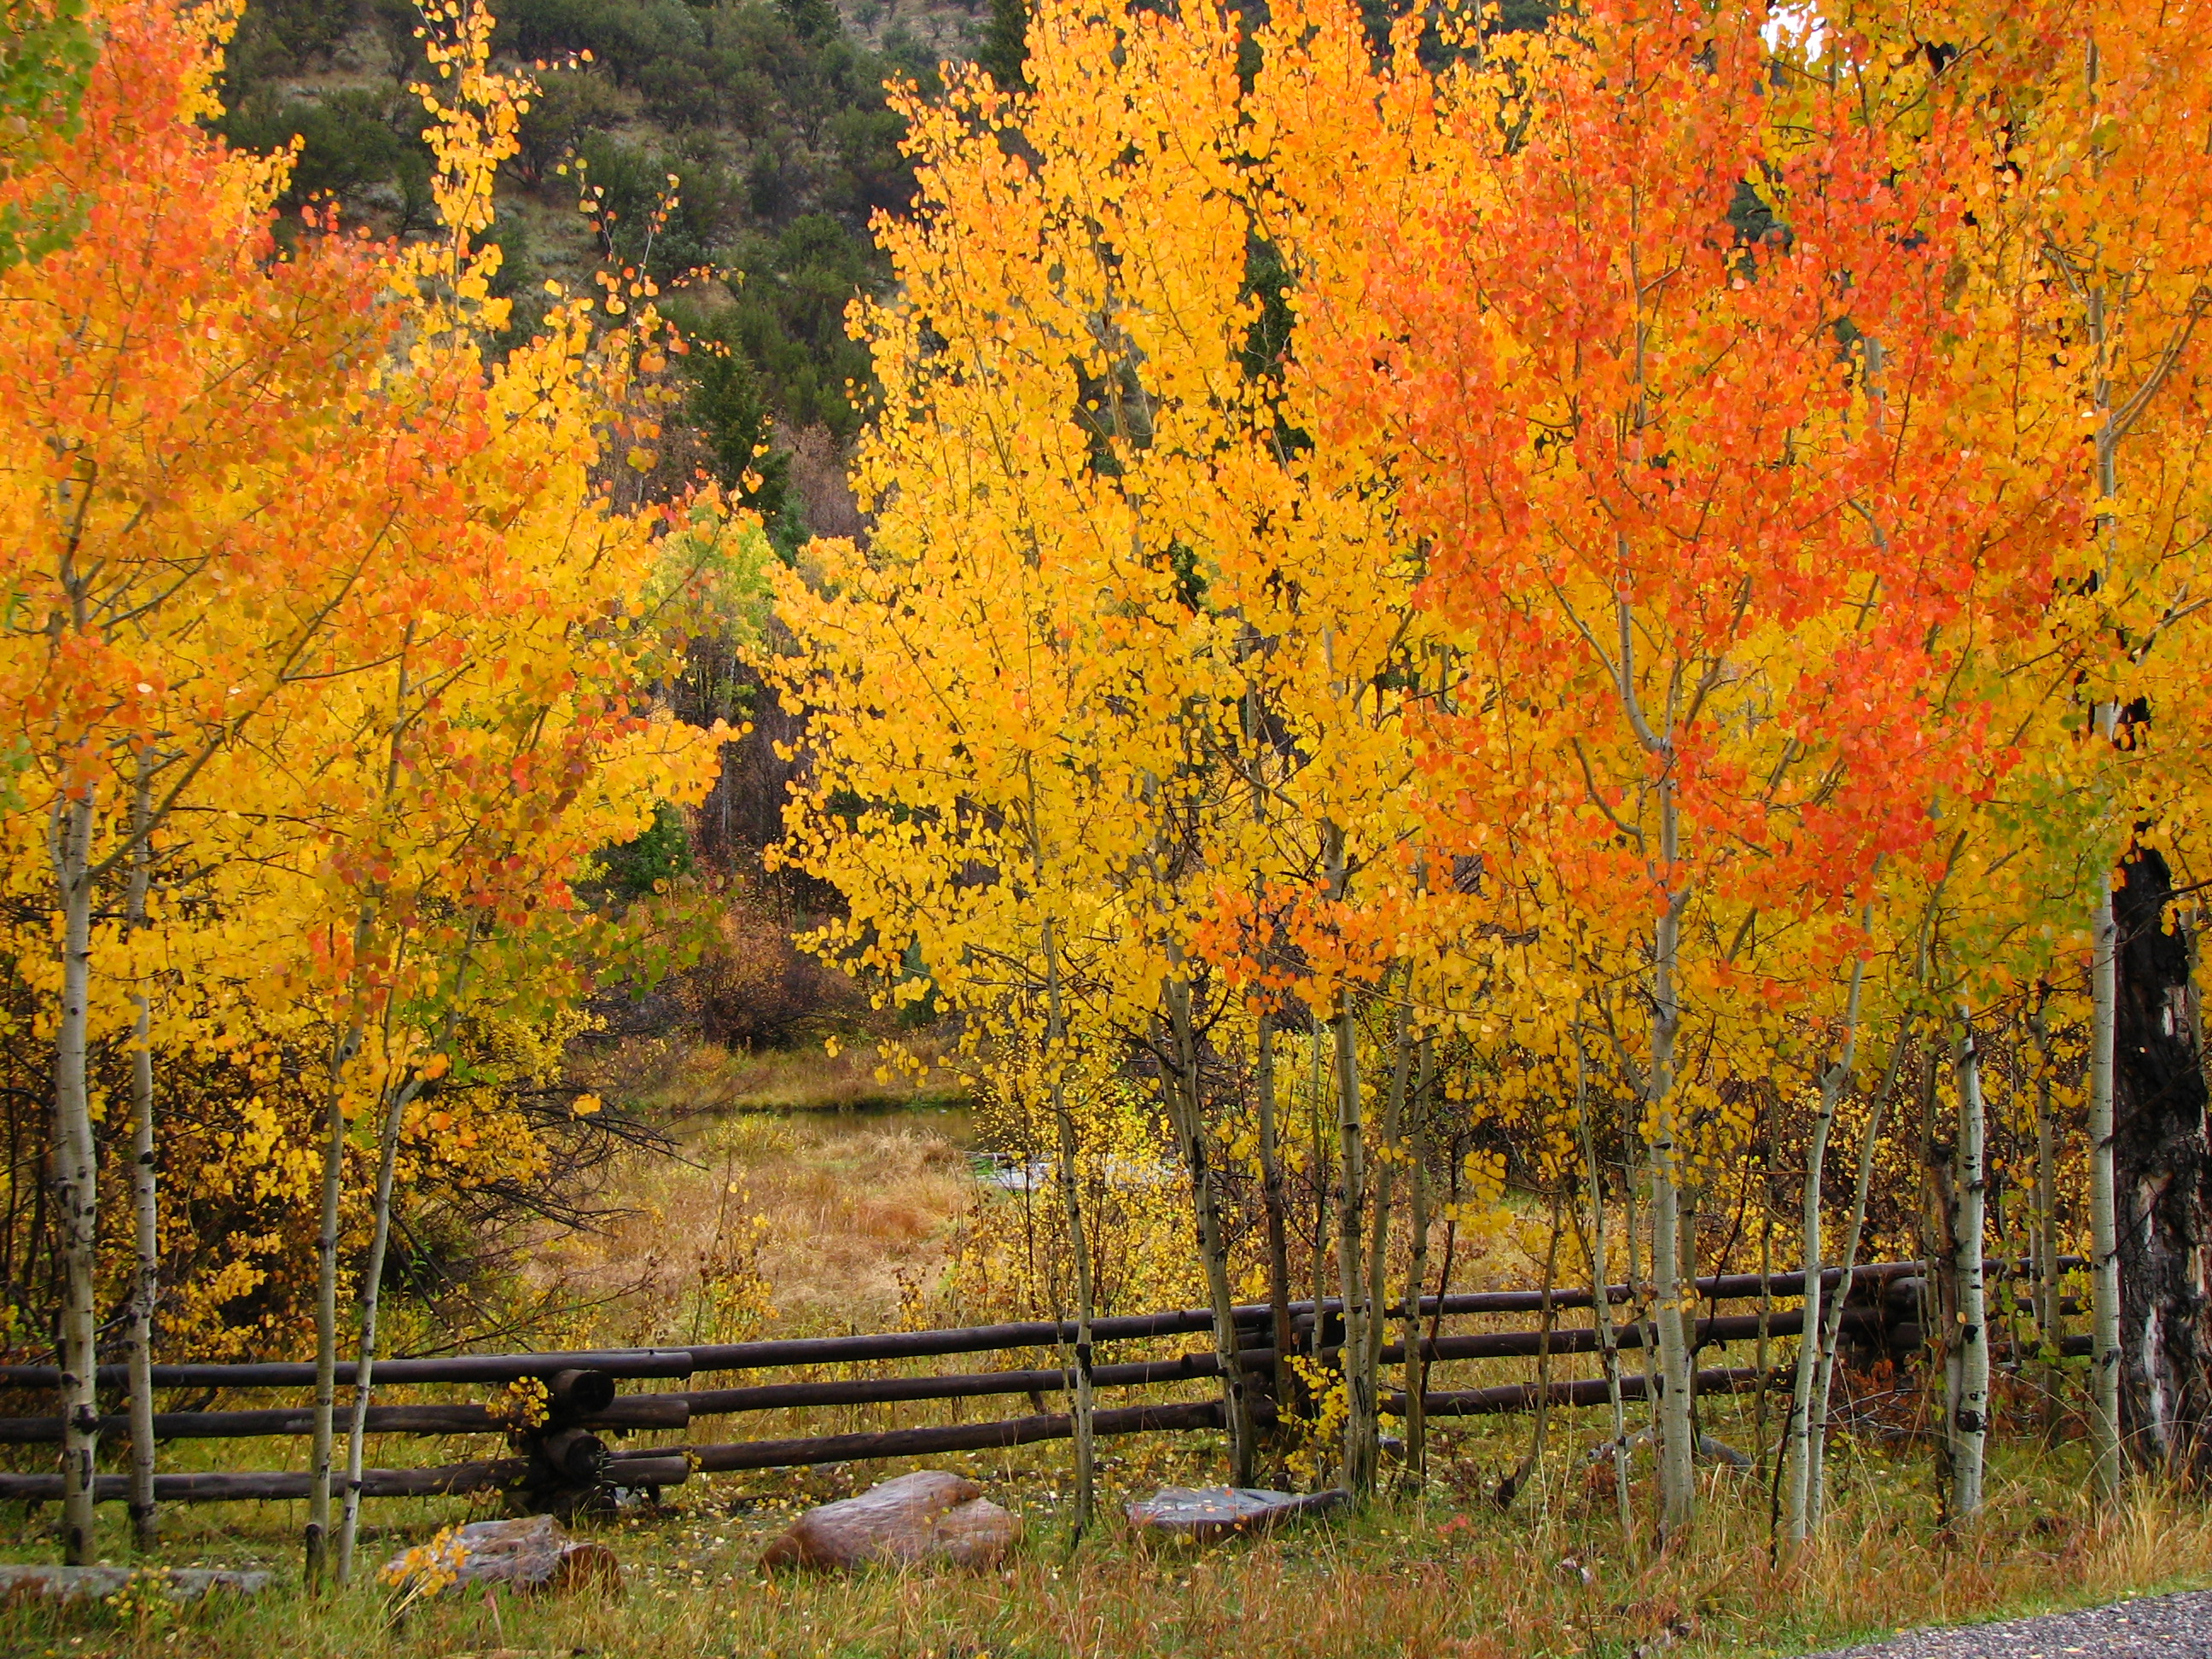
(2165, 1624)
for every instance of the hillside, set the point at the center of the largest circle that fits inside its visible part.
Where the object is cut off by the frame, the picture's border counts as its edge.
(738, 149)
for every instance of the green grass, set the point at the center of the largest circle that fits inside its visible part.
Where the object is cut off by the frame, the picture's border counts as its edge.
(1445, 1574)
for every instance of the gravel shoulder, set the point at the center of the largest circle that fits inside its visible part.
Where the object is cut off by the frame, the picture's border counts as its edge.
(2163, 1625)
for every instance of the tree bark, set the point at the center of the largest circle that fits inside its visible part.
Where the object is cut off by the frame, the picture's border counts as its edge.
(2104, 1228)
(1187, 1114)
(372, 1282)
(1802, 1454)
(2161, 1181)
(1272, 1195)
(2045, 1224)
(1832, 1322)
(326, 1296)
(1600, 1307)
(1416, 1275)
(1378, 1228)
(145, 1200)
(76, 1176)
(1677, 1474)
(1071, 1195)
(1969, 1401)
(1361, 1444)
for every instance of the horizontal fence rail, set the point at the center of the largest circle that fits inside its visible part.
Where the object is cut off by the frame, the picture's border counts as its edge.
(569, 1441)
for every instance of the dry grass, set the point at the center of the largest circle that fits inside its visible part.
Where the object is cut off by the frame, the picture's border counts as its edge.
(674, 1080)
(801, 1223)
(1437, 1576)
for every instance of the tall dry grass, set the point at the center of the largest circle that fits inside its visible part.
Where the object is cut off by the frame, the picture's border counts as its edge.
(801, 1223)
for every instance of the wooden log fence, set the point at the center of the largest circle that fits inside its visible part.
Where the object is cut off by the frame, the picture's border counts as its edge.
(566, 1451)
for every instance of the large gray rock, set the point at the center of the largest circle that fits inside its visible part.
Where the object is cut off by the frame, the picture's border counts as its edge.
(1215, 1511)
(531, 1552)
(98, 1583)
(929, 1515)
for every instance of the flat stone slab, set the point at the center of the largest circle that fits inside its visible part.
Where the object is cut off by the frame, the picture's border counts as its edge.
(531, 1552)
(98, 1583)
(930, 1515)
(1217, 1512)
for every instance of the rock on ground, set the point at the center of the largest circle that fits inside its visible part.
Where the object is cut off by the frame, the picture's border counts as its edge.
(925, 1516)
(98, 1583)
(1212, 1511)
(2171, 1626)
(531, 1552)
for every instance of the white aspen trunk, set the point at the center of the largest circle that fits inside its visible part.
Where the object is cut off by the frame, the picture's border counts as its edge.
(1273, 1197)
(1762, 1350)
(1832, 1323)
(1071, 1194)
(1532, 1461)
(1601, 1305)
(1079, 1395)
(1417, 1279)
(2104, 1225)
(1797, 1439)
(2049, 1334)
(387, 1163)
(1378, 1230)
(326, 1296)
(1970, 1402)
(1834, 1082)
(76, 1178)
(1361, 1446)
(145, 1200)
(1678, 1488)
(1184, 1099)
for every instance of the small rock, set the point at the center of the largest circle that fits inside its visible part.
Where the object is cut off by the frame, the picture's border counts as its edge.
(1214, 1511)
(98, 1583)
(532, 1553)
(927, 1515)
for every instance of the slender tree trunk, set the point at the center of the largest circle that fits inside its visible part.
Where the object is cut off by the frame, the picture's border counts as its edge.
(1601, 1303)
(1278, 1217)
(2162, 1181)
(75, 1177)
(1186, 1099)
(342, 1049)
(1417, 1276)
(2104, 1230)
(1762, 1361)
(1831, 1324)
(372, 1285)
(1639, 1292)
(1361, 1445)
(1678, 1487)
(2049, 1334)
(1081, 1395)
(1378, 1229)
(145, 1199)
(1071, 1194)
(1970, 1400)
(1797, 1436)
(1833, 1081)
(1532, 1460)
